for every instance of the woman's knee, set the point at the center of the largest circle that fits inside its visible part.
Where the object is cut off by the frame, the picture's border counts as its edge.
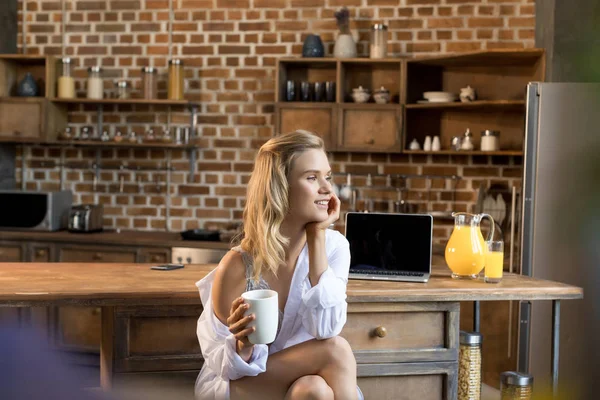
(340, 352)
(309, 387)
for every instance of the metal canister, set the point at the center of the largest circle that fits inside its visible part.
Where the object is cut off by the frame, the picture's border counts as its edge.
(516, 386)
(469, 366)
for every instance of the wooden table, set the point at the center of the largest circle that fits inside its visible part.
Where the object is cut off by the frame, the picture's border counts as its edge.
(400, 305)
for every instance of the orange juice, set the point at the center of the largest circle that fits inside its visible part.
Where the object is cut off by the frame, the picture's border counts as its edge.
(465, 251)
(494, 261)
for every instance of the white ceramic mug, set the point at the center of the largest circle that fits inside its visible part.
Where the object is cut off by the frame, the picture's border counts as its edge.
(264, 305)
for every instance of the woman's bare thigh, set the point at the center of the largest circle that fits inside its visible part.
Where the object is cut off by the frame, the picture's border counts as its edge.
(283, 369)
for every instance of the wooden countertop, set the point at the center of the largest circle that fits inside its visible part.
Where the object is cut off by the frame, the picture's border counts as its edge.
(111, 237)
(37, 284)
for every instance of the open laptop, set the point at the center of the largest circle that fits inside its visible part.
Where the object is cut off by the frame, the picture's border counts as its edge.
(385, 246)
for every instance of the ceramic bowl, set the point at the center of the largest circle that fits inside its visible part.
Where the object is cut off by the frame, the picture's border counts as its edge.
(360, 95)
(381, 96)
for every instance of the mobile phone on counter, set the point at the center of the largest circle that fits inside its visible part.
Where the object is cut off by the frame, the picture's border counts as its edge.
(167, 267)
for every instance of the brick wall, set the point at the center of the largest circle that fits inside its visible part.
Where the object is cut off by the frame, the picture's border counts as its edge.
(230, 48)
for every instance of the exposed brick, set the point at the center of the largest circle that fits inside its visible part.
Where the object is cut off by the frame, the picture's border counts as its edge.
(307, 3)
(445, 22)
(423, 47)
(485, 22)
(525, 22)
(254, 26)
(233, 3)
(125, 5)
(462, 46)
(406, 24)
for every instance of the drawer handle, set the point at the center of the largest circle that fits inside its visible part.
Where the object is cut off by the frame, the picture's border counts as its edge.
(380, 331)
(155, 258)
(40, 253)
(97, 256)
(370, 141)
(96, 311)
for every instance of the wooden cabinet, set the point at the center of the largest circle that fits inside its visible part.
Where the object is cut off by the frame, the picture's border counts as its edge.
(96, 255)
(368, 128)
(159, 256)
(11, 252)
(343, 124)
(314, 117)
(499, 77)
(29, 118)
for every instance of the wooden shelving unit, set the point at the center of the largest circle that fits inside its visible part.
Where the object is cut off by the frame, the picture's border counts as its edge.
(38, 120)
(519, 104)
(499, 77)
(466, 153)
(156, 102)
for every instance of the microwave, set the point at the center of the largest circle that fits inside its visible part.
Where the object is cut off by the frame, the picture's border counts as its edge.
(35, 211)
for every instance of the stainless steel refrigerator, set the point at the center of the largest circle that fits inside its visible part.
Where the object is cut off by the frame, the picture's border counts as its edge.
(560, 238)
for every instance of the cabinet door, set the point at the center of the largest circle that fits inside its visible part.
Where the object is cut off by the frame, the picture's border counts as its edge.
(158, 256)
(370, 128)
(22, 118)
(96, 255)
(11, 252)
(78, 328)
(314, 117)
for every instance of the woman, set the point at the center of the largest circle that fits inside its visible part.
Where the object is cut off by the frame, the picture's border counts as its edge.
(286, 247)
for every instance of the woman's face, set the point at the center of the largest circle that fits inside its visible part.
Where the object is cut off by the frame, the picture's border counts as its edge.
(310, 187)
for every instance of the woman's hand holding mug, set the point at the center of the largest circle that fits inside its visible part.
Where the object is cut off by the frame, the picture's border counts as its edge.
(237, 323)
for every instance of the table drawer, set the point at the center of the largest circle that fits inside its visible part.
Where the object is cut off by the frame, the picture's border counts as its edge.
(160, 338)
(104, 255)
(402, 332)
(11, 254)
(409, 381)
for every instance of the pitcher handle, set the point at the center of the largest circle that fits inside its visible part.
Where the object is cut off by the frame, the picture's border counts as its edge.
(492, 223)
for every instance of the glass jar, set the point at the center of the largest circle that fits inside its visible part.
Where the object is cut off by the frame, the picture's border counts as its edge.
(149, 83)
(95, 86)
(467, 141)
(122, 90)
(66, 83)
(378, 43)
(490, 140)
(469, 366)
(516, 386)
(175, 87)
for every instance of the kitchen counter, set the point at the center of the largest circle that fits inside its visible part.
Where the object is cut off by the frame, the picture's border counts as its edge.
(33, 284)
(401, 333)
(112, 237)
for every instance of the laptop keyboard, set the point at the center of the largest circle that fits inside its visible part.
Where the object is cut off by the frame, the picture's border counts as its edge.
(387, 273)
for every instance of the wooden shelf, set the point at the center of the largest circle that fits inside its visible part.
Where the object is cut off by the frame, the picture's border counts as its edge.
(342, 60)
(467, 153)
(305, 104)
(163, 102)
(97, 143)
(23, 99)
(487, 57)
(371, 106)
(473, 104)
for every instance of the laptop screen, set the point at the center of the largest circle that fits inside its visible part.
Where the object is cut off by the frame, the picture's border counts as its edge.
(389, 242)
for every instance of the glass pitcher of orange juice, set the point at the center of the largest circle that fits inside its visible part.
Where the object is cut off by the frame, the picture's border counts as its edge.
(465, 251)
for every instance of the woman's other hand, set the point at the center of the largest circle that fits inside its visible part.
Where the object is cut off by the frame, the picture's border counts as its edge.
(333, 214)
(238, 327)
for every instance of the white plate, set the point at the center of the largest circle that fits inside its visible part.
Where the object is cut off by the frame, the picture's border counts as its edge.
(441, 101)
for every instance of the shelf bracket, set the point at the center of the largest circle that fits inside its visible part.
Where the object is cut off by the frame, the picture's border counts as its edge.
(23, 165)
(168, 193)
(99, 122)
(192, 136)
(62, 169)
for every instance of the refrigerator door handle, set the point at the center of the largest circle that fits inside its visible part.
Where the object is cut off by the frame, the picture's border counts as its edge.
(524, 333)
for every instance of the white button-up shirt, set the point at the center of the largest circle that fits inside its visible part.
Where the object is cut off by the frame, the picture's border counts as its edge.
(310, 312)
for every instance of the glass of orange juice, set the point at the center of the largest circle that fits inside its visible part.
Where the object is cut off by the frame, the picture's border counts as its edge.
(494, 261)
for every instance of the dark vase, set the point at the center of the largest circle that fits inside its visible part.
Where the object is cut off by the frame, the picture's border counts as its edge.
(28, 87)
(313, 47)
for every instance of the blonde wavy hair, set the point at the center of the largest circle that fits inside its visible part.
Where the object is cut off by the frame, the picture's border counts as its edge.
(267, 201)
